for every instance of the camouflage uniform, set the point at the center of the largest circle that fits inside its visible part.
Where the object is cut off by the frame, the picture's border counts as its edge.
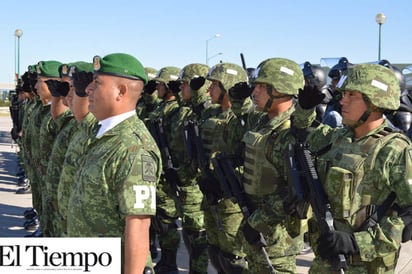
(117, 168)
(168, 205)
(55, 165)
(193, 226)
(75, 151)
(222, 215)
(265, 177)
(359, 173)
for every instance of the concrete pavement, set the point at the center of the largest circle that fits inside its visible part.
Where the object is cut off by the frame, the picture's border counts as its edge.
(12, 206)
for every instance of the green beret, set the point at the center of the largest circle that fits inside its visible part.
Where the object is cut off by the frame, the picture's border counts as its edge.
(48, 68)
(121, 65)
(64, 70)
(80, 66)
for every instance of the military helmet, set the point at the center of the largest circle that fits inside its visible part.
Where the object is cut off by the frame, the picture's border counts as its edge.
(167, 74)
(227, 74)
(397, 71)
(314, 75)
(340, 68)
(191, 71)
(150, 72)
(284, 75)
(378, 83)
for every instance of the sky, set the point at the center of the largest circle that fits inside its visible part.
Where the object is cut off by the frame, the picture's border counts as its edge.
(174, 33)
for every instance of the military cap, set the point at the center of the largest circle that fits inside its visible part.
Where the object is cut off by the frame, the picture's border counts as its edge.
(227, 74)
(284, 75)
(80, 66)
(150, 72)
(64, 70)
(120, 65)
(378, 83)
(191, 71)
(48, 68)
(167, 74)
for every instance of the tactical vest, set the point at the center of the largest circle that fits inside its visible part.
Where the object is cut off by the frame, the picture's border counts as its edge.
(260, 176)
(346, 171)
(342, 170)
(212, 135)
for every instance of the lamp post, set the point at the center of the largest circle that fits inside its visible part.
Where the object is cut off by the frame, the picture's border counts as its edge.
(380, 19)
(217, 35)
(213, 56)
(18, 33)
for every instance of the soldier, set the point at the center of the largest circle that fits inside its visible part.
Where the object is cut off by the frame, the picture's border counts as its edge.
(81, 78)
(222, 215)
(67, 125)
(185, 177)
(122, 164)
(364, 167)
(149, 100)
(276, 82)
(168, 209)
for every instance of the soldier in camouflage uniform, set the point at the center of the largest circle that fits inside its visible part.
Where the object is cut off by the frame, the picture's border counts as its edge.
(46, 70)
(168, 205)
(81, 77)
(185, 177)
(114, 191)
(222, 216)
(264, 181)
(149, 100)
(64, 118)
(360, 165)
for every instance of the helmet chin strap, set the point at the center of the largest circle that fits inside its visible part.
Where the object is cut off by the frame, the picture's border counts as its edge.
(222, 94)
(268, 104)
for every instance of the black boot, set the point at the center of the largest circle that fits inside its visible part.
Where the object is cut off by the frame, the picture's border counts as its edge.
(167, 263)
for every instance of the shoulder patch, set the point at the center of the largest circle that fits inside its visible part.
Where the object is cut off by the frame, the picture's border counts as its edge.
(149, 169)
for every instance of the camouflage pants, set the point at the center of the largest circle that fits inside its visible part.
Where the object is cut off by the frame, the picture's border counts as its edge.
(222, 226)
(194, 228)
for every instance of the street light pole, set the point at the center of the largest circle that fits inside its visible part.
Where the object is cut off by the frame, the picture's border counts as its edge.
(18, 33)
(380, 19)
(217, 54)
(217, 35)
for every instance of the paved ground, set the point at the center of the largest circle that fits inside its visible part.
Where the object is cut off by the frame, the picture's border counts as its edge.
(12, 206)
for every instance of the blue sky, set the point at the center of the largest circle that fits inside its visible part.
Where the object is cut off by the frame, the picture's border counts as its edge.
(174, 33)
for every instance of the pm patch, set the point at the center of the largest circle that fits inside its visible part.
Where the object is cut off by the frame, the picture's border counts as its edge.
(149, 169)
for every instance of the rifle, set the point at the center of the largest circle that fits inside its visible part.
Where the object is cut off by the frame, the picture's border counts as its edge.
(192, 135)
(308, 187)
(157, 130)
(231, 182)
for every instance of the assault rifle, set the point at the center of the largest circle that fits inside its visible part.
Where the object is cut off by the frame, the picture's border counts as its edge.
(305, 181)
(195, 148)
(157, 130)
(232, 187)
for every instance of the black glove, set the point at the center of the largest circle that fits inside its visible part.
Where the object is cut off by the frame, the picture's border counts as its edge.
(172, 176)
(333, 243)
(406, 215)
(58, 88)
(310, 97)
(174, 86)
(150, 87)
(210, 188)
(240, 91)
(197, 83)
(81, 80)
(253, 236)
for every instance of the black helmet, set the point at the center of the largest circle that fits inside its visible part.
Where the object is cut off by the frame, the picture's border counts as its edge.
(314, 75)
(340, 68)
(396, 71)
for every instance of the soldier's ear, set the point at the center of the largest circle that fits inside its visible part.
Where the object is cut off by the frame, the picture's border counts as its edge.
(123, 89)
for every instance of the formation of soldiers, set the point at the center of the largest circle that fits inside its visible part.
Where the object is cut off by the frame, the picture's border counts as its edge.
(224, 137)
